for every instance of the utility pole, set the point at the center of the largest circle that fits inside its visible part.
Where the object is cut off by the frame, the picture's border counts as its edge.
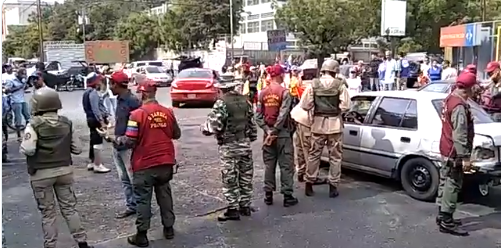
(231, 32)
(84, 20)
(40, 30)
(483, 5)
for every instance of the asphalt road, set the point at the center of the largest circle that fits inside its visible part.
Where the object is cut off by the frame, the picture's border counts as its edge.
(370, 212)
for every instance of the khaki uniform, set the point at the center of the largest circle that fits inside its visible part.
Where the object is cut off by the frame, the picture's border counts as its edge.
(301, 138)
(326, 128)
(51, 175)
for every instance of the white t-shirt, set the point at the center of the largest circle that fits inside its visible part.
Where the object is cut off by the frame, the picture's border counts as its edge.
(449, 72)
(354, 86)
(424, 68)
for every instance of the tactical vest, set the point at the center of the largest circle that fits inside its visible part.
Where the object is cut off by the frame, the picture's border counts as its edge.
(446, 140)
(326, 99)
(53, 144)
(238, 109)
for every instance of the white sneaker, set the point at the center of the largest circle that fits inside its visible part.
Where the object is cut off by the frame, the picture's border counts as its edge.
(101, 169)
(90, 166)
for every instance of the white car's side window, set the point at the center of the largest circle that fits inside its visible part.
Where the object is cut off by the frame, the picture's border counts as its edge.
(396, 112)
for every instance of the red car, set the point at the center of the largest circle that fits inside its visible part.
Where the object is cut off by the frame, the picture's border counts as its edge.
(194, 85)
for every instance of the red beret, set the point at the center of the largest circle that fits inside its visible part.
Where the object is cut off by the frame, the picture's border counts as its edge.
(471, 68)
(147, 86)
(119, 77)
(493, 65)
(466, 79)
(275, 70)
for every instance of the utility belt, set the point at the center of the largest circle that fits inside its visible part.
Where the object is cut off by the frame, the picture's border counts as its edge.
(223, 140)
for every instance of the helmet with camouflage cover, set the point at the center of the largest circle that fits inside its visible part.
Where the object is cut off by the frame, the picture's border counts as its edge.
(330, 65)
(45, 99)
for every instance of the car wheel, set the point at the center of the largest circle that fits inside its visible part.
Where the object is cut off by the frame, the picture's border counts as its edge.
(420, 179)
(175, 104)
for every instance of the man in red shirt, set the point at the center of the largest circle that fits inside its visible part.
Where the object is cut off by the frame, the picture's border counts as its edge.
(273, 116)
(456, 144)
(150, 132)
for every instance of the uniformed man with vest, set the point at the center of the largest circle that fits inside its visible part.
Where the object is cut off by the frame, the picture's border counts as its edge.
(232, 122)
(150, 132)
(456, 144)
(48, 144)
(326, 98)
(273, 116)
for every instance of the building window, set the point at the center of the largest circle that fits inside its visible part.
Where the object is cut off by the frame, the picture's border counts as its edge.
(267, 25)
(291, 44)
(253, 17)
(265, 1)
(252, 2)
(252, 27)
(241, 30)
(268, 15)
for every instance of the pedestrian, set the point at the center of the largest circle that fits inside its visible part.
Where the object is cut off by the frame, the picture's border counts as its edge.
(295, 84)
(374, 72)
(14, 86)
(231, 121)
(126, 103)
(456, 144)
(327, 97)
(5, 132)
(273, 116)
(435, 71)
(97, 117)
(390, 72)
(49, 140)
(150, 132)
(450, 71)
(404, 71)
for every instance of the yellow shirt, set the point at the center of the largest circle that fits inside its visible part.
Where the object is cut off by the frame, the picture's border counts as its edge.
(293, 86)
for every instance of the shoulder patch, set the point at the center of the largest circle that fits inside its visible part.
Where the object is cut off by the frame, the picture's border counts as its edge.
(27, 136)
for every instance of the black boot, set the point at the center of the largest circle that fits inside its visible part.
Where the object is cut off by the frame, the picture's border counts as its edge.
(84, 245)
(230, 214)
(290, 201)
(320, 181)
(140, 239)
(245, 211)
(168, 232)
(300, 178)
(308, 189)
(439, 218)
(333, 193)
(268, 198)
(447, 225)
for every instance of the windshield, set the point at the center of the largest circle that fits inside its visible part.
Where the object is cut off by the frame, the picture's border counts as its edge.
(479, 114)
(153, 70)
(194, 73)
(155, 63)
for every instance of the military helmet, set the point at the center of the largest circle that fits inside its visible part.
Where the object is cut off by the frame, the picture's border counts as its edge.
(330, 65)
(46, 99)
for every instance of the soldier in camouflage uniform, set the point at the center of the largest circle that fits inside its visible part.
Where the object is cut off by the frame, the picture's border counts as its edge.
(232, 122)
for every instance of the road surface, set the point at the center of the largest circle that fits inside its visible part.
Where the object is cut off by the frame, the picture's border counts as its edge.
(370, 212)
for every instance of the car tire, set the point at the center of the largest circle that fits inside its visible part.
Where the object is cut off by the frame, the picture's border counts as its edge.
(175, 104)
(420, 168)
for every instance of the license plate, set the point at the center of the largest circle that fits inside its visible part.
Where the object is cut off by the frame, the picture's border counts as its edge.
(192, 96)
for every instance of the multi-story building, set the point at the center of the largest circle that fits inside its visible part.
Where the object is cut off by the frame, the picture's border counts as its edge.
(17, 12)
(257, 18)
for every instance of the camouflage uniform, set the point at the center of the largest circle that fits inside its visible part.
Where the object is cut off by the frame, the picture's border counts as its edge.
(232, 121)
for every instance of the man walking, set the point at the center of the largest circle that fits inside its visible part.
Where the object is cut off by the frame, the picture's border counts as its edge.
(456, 143)
(48, 144)
(273, 116)
(232, 122)
(403, 70)
(15, 87)
(327, 97)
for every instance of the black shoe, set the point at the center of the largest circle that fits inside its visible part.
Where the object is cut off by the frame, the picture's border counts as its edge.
(333, 193)
(230, 214)
(308, 189)
(84, 245)
(447, 225)
(168, 232)
(140, 239)
(440, 217)
(245, 211)
(320, 181)
(125, 214)
(290, 201)
(268, 198)
(300, 178)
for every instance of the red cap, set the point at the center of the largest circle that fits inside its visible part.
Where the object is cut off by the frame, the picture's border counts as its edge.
(119, 77)
(471, 68)
(275, 70)
(147, 86)
(493, 65)
(466, 79)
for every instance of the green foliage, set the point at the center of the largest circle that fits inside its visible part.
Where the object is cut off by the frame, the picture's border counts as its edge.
(141, 31)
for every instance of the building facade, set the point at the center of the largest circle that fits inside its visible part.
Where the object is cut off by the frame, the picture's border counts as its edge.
(17, 13)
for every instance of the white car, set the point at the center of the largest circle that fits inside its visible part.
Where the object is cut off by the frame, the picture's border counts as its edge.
(397, 134)
(154, 73)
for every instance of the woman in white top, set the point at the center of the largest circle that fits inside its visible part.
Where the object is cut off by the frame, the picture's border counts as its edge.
(354, 83)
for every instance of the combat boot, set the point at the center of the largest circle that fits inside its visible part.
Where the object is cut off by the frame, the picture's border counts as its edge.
(439, 218)
(333, 193)
(230, 214)
(245, 211)
(268, 198)
(168, 232)
(290, 201)
(84, 245)
(447, 225)
(140, 239)
(308, 189)
(300, 178)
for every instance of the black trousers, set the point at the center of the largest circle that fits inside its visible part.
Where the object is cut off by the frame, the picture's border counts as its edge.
(155, 179)
(95, 138)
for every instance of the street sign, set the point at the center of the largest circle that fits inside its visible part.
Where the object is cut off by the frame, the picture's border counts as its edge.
(393, 17)
(276, 40)
(106, 51)
(470, 33)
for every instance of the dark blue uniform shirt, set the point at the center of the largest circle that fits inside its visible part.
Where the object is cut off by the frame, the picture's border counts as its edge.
(126, 103)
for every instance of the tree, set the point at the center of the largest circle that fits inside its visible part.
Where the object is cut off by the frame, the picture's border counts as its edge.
(140, 30)
(173, 32)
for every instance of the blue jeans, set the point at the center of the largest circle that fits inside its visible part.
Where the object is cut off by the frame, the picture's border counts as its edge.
(122, 162)
(111, 105)
(21, 110)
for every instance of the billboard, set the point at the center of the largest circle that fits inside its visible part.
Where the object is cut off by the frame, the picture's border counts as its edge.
(276, 40)
(393, 17)
(65, 52)
(106, 51)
